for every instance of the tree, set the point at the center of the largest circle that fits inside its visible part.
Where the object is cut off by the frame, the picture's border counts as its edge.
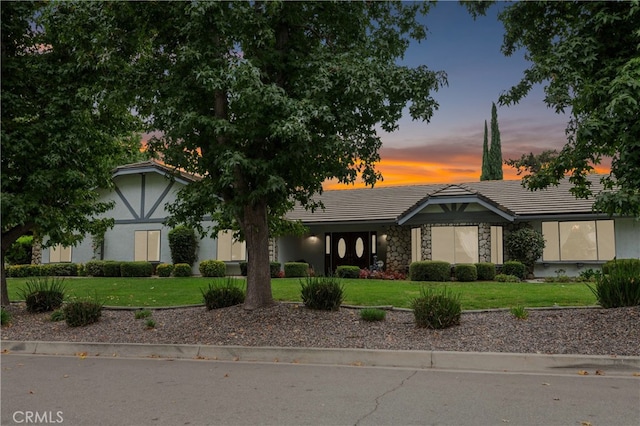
(588, 56)
(495, 152)
(525, 245)
(64, 125)
(267, 100)
(486, 173)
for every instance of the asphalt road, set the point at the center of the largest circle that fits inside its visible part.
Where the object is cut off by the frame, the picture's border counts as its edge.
(39, 389)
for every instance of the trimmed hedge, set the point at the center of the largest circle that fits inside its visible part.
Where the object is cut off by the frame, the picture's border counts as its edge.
(611, 264)
(164, 269)
(430, 270)
(181, 270)
(183, 244)
(136, 269)
(296, 269)
(47, 269)
(212, 268)
(486, 271)
(513, 267)
(466, 272)
(348, 271)
(274, 268)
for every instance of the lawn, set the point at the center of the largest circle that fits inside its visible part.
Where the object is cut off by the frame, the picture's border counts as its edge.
(157, 292)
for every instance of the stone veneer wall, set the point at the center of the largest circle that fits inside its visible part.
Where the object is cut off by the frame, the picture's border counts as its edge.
(398, 249)
(273, 250)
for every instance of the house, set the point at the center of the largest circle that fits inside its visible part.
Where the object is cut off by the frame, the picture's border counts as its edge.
(388, 226)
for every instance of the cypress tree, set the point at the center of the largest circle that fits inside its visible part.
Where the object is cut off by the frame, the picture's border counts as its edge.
(486, 171)
(495, 152)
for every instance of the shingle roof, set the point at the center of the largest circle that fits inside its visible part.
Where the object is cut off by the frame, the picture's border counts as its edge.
(153, 165)
(391, 202)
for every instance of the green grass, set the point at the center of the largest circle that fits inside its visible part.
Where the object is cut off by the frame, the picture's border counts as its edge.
(155, 292)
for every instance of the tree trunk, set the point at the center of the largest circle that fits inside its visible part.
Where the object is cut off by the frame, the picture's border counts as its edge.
(3, 288)
(256, 231)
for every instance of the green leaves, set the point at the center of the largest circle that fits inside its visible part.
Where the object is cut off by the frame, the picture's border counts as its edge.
(587, 56)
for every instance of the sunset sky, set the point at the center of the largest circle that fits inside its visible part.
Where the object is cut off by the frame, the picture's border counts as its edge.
(449, 148)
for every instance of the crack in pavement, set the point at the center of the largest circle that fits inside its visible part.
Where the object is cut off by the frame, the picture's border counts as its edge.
(379, 397)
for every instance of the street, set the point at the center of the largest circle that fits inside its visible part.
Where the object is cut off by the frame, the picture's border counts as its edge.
(76, 390)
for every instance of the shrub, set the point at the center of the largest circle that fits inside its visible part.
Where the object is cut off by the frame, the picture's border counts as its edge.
(274, 268)
(296, 269)
(524, 245)
(43, 294)
(430, 270)
(142, 313)
(609, 265)
(486, 271)
(514, 267)
(620, 286)
(322, 293)
(111, 268)
(373, 314)
(57, 315)
(22, 271)
(150, 323)
(164, 269)
(520, 312)
(437, 309)
(94, 268)
(181, 270)
(5, 316)
(381, 275)
(466, 272)
(223, 294)
(348, 271)
(79, 313)
(504, 278)
(243, 268)
(60, 269)
(212, 268)
(136, 269)
(19, 253)
(183, 244)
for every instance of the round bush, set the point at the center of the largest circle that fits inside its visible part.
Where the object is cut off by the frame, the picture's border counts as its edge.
(437, 310)
(164, 269)
(221, 295)
(513, 267)
(212, 268)
(466, 272)
(111, 268)
(486, 271)
(94, 268)
(373, 314)
(525, 245)
(323, 293)
(296, 269)
(181, 270)
(348, 271)
(82, 312)
(504, 278)
(274, 269)
(183, 244)
(430, 270)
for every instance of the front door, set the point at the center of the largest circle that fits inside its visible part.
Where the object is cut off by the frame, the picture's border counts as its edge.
(349, 248)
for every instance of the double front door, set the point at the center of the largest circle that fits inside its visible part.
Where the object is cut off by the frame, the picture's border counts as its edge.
(349, 248)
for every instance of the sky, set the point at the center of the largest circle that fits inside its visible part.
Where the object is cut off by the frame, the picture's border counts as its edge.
(448, 149)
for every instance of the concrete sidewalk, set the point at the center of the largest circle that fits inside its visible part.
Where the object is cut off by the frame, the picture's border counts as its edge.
(476, 361)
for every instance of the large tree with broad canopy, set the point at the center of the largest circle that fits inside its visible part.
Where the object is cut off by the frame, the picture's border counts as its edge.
(267, 100)
(587, 55)
(65, 121)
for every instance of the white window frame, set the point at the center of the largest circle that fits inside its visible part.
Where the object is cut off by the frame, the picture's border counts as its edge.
(59, 254)
(601, 240)
(229, 249)
(146, 245)
(451, 252)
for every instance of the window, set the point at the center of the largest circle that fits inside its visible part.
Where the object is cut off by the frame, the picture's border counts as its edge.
(230, 249)
(416, 244)
(454, 244)
(147, 246)
(58, 254)
(497, 249)
(579, 240)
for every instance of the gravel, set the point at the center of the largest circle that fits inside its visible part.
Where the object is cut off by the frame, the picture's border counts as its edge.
(588, 331)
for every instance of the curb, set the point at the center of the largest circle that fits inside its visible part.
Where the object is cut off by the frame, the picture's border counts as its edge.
(475, 361)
